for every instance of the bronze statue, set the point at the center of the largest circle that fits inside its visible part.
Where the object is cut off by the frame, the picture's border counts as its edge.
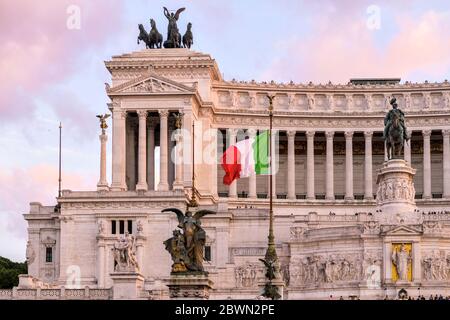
(177, 250)
(143, 36)
(154, 37)
(188, 38)
(173, 35)
(103, 124)
(395, 130)
(187, 249)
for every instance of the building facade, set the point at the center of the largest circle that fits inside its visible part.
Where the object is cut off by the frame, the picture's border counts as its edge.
(329, 152)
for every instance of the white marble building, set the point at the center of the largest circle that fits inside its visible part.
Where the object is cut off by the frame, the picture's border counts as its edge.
(331, 237)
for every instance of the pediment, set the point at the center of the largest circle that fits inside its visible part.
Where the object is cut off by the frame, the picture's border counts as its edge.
(150, 84)
(401, 230)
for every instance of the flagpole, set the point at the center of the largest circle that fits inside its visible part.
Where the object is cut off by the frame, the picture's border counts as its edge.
(271, 258)
(59, 177)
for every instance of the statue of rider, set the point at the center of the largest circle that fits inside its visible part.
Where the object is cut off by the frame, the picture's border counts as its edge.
(389, 116)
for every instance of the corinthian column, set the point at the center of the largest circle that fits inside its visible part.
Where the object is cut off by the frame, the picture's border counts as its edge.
(368, 190)
(118, 150)
(446, 162)
(252, 177)
(349, 165)
(163, 151)
(232, 191)
(426, 164)
(407, 149)
(178, 184)
(291, 165)
(142, 150)
(151, 154)
(329, 182)
(310, 193)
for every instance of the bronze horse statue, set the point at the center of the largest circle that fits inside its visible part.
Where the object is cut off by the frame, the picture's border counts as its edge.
(143, 36)
(155, 38)
(188, 39)
(394, 141)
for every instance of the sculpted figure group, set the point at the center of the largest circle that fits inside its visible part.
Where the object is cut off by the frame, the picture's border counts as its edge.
(154, 39)
(186, 249)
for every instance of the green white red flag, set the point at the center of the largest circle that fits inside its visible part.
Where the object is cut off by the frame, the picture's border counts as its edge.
(246, 157)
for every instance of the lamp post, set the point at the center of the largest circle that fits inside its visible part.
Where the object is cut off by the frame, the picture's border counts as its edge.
(271, 259)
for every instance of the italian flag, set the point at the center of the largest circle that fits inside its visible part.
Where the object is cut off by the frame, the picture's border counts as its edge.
(246, 157)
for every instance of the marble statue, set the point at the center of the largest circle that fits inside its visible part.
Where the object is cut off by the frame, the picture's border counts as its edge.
(30, 254)
(401, 259)
(125, 254)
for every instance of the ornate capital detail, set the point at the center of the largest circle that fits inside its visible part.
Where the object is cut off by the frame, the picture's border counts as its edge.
(426, 133)
(329, 134)
(251, 132)
(119, 114)
(348, 134)
(310, 134)
(233, 132)
(368, 134)
(446, 132)
(291, 133)
(163, 113)
(142, 114)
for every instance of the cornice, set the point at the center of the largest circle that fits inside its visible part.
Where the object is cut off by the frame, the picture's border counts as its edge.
(329, 87)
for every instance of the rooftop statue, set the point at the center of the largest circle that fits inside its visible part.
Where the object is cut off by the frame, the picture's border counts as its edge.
(102, 119)
(394, 130)
(173, 34)
(186, 249)
(188, 38)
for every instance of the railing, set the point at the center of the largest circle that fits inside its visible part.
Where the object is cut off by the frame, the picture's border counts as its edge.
(55, 294)
(5, 294)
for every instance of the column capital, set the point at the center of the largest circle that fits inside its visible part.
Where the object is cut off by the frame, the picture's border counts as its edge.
(232, 131)
(119, 114)
(426, 133)
(310, 134)
(446, 132)
(368, 134)
(142, 114)
(348, 134)
(251, 132)
(291, 133)
(329, 134)
(163, 113)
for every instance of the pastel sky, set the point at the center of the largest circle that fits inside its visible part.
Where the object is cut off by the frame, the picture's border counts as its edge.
(51, 72)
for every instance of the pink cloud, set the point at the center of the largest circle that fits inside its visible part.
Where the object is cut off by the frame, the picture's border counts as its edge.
(341, 47)
(39, 50)
(39, 183)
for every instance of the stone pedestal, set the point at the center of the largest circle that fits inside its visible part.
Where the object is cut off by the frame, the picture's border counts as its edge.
(277, 282)
(396, 193)
(127, 285)
(189, 286)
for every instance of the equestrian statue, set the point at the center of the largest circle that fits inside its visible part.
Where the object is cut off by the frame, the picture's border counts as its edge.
(394, 133)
